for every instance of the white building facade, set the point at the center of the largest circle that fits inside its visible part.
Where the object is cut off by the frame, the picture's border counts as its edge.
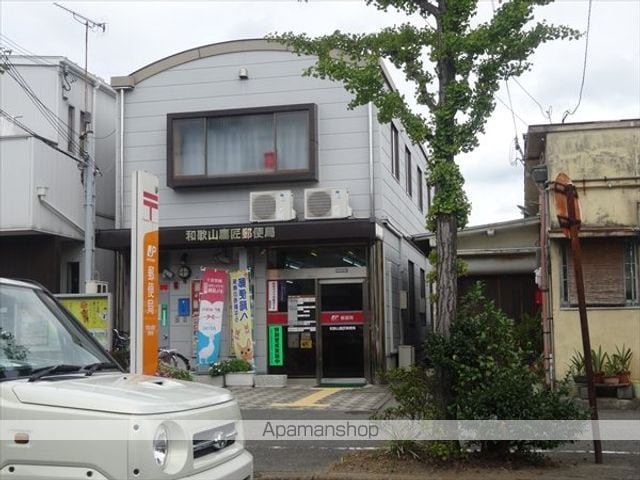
(42, 213)
(265, 170)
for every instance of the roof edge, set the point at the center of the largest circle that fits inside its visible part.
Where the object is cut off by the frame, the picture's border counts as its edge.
(210, 50)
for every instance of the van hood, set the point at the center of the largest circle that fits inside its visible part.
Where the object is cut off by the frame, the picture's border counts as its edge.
(120, 393)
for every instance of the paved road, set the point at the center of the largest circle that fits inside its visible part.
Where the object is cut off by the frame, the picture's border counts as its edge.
(313, 456)
(307, 456)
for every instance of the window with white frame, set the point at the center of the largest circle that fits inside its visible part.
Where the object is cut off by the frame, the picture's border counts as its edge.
(242, 146)
(395, 152)
(420, 188)
(610, 272)
(408, 168)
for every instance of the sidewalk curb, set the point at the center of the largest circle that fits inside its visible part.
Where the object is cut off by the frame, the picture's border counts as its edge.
(334, 476)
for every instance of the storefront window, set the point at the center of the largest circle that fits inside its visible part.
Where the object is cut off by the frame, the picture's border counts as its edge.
(317, 257)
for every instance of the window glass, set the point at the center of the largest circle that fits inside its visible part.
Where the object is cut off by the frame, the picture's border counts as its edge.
(317, 257)
(609, 268)
(239, 144)
(188, 146)
(292, 140)
(212, 148)
(35, 333)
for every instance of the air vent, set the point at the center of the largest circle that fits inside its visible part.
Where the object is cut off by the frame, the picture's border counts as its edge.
(271, 206)
(323, 203)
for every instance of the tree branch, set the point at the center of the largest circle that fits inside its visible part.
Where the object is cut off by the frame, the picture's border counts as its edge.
(427, 6)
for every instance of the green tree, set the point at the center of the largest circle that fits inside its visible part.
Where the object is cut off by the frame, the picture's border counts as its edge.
(456, 65)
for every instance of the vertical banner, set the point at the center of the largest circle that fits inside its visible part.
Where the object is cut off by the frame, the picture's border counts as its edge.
(241, 315)
(211, 310)
(144, 273)
(275, 346)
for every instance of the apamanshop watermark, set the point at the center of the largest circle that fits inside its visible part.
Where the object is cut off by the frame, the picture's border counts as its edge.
(132, 429)
(316, 430)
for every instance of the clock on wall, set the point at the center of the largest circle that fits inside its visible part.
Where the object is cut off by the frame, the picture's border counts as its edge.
(184, 271)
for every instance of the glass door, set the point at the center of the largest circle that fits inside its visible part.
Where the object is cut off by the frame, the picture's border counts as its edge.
(291, 323)
(342, 325)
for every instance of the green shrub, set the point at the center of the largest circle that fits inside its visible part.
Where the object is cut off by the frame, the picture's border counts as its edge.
(490, 375)
(235, 365)
(166, 370)
(412, 390)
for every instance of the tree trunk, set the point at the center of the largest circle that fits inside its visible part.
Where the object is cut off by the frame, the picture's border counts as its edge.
(447, 269)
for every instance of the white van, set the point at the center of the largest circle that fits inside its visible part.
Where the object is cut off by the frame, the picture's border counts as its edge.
(67, 411)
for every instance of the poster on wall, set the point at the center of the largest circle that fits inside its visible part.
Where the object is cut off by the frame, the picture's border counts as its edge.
(241, 315)
(275, 346)
(93, 312)
(212, 296)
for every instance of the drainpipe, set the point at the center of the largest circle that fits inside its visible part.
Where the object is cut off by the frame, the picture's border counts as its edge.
(547, 334)
(120, 177)
(372, 198)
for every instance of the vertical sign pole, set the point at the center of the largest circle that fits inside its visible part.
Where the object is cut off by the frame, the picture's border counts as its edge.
(574, 225)
(144, 273)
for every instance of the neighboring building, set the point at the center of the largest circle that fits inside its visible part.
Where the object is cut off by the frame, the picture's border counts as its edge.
(603, 161)
(504, 257)
(41, 191)
(218, 122)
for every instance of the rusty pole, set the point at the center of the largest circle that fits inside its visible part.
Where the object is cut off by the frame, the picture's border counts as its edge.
(574, 226)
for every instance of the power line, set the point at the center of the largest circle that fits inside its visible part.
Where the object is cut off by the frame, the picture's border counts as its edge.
(584, 65)
(545, 113)
(24, 52)
(61, 128)
(511, 110)
(44, 140)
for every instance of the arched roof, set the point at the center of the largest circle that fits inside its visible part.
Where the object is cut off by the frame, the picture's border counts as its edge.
(211, 50)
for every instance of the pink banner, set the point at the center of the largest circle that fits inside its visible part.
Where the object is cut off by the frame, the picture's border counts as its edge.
(212, 297)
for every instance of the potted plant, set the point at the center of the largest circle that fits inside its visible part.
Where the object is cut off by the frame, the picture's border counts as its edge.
(577, 369)
(238, 373)
(623, 363)
(611, 369)
(217, 372)
(598, 360)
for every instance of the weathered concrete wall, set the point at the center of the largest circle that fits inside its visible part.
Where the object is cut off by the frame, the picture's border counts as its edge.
(605, 166)
(607, 327)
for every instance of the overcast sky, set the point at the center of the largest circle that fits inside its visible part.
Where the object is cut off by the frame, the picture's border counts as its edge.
(141, 32)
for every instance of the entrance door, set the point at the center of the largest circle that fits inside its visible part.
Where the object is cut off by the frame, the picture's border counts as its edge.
(342, 324)
(291, 318)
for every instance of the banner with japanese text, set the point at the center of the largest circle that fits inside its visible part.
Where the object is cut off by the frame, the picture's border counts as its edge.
(212, 297)
(241, 315)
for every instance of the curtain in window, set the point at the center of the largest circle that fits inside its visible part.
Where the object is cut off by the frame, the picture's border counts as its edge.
(292, 140)
(188, 146)
(237, 145)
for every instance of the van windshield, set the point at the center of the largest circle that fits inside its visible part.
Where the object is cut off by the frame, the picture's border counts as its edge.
(35, 333)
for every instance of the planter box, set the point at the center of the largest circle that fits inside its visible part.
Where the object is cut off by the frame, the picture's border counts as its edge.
(209, 380)
(239, 379)
(270, 381)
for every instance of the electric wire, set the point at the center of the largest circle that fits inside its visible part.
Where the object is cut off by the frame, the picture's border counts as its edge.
(46, 141)
(584, 65)
(510, 107)
(23, 51)
(58, 124)
(511, 110)
(545, 113)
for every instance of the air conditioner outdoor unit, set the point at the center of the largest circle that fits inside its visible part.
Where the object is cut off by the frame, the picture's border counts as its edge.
(271, 206)
(326, 203)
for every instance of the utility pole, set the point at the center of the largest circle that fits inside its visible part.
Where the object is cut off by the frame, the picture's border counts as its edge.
(89, 169)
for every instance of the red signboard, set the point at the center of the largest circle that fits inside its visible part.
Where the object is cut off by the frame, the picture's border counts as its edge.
(278, 318)
(342, 318)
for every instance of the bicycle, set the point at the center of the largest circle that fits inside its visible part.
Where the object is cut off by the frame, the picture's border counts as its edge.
(121, 349)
